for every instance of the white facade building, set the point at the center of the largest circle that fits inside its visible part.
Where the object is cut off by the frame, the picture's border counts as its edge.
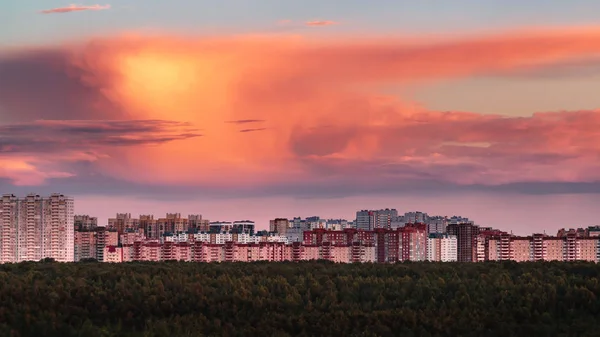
(442, 248)
(449, 251)
(35, 227)
(9, 205)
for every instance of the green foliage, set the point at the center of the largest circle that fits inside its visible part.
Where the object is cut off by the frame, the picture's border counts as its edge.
(299, 299)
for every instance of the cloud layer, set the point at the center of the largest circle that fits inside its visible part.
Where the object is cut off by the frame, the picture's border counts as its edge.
(74, 8)
(317, 103)
(33, 152)
(320, 23)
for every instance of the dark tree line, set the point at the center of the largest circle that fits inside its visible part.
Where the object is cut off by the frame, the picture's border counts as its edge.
(299, 299)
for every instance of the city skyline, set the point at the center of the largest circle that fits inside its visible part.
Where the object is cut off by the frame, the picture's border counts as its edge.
(36, 227)
(262, 216)
(390, 215)
(255, 109)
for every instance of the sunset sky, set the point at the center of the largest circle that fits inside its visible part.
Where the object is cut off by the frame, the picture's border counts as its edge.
(269, 108)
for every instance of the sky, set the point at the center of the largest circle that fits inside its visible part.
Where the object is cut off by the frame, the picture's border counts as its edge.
(256, 109)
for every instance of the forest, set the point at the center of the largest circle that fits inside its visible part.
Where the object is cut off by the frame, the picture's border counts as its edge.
(299, 299)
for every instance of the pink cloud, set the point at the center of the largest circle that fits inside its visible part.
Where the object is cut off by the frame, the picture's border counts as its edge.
(458, 147)
(25, 171)
(323, 123)
(32, 152)
(75, 8)
(320, 23)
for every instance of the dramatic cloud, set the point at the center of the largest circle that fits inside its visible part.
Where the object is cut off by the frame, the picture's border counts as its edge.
(45, 83)
(55, 135)
(74, 8)
(252, 130)
(328, 123)
(320, 23)
(457, 147)
(246, 121)
(32, 152)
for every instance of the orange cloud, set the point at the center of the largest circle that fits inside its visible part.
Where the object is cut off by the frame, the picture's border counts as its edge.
(321, 121)
(22, 173)
(320, 23)
(74, 8)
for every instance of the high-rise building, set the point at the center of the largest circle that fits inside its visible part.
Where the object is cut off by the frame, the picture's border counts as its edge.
(279, 225)
(243, 226)
(8, 231)
(384, 218)
(85, 222)
(466, 235)
(195, 223)
(85, 245)
(441, 247)
(416, 217)
(371, 219)
(149, 226)
(172, 223)
(437, 224)
(122, 222)
(35, 227)
(86, 237)
(364, 220)
(592, 231)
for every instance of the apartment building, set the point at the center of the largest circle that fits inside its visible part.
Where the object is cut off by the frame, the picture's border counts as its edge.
(521, 249)
(553, 249)
(86, 242)
(371, 219)
(122, 223)
(85, 223)
(408, 243)
(587, 249)
(279, 226)
(538, 247)
(9, 228)
(156, 228)
(36, 227)
(466, 234)
(442, 248)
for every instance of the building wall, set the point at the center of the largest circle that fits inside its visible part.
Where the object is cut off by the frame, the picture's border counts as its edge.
(279, 225)
(449, 249)
(586, 249)
(127, 253)
(436, 225)
(492, 250)
(442, 247)
(570, 246)
(418, 242)
(434, 247)
(368, 254)
(150, 252)
(481, 248)
(37, 227)
(9, 206)
(553, 248)
(521, 249)
(85, 223)
(466, 234)
(34, 229)
(112, 238)
(341, 254)
(311, 253)
(113, 254)
(85, 245)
